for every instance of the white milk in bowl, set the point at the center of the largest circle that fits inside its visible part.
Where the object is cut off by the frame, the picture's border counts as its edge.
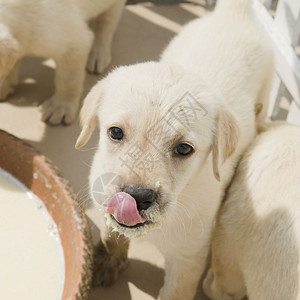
(31, 255)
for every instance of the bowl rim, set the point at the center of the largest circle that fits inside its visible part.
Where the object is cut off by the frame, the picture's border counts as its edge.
(83, 288)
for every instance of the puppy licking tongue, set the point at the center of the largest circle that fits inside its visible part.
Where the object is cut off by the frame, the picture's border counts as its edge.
(124, 209)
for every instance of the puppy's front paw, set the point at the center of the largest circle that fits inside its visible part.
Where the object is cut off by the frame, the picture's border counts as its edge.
(56, 111)
(107, 266)
(99, 59)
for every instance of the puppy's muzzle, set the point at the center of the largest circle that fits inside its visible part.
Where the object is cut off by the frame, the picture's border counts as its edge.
(144, 197)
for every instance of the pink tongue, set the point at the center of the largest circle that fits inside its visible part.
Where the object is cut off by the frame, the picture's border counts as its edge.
(123, 207)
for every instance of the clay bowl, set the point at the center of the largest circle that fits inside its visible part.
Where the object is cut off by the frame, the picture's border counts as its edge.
(38, 173)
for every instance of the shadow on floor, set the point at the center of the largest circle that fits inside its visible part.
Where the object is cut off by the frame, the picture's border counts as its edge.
(143, 275)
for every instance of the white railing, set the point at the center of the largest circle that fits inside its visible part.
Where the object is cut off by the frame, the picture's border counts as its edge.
(284, 31)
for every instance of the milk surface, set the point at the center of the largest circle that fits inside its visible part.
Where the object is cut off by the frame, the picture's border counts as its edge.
(31, 255)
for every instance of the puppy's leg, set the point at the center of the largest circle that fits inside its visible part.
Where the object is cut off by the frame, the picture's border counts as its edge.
(104, 27)
(9, 84)
(223, 283)
(9, 55)
(182, 275)
(63, 106)
(110, 258)
(224, 280)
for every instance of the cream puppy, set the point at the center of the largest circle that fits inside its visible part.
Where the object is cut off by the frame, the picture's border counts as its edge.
(57, 29)
(171, 133)
(256, 244)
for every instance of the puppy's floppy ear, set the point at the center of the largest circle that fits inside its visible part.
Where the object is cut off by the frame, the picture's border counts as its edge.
(88, 114)
(258, 108)
(225, 140)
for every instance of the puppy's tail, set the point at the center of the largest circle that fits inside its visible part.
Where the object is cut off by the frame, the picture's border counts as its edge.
(237, 7)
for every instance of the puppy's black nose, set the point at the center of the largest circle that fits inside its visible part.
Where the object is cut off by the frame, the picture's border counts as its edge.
(143, 197)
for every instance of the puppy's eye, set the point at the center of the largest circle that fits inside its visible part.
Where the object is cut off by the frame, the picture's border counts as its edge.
(184, 149)
(115, 133)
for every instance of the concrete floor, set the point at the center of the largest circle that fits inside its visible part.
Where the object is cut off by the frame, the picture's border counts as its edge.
(144, 31)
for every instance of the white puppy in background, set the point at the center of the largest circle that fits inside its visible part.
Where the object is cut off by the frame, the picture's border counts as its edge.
(256, 244)
(59, 30)
(171, 133)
